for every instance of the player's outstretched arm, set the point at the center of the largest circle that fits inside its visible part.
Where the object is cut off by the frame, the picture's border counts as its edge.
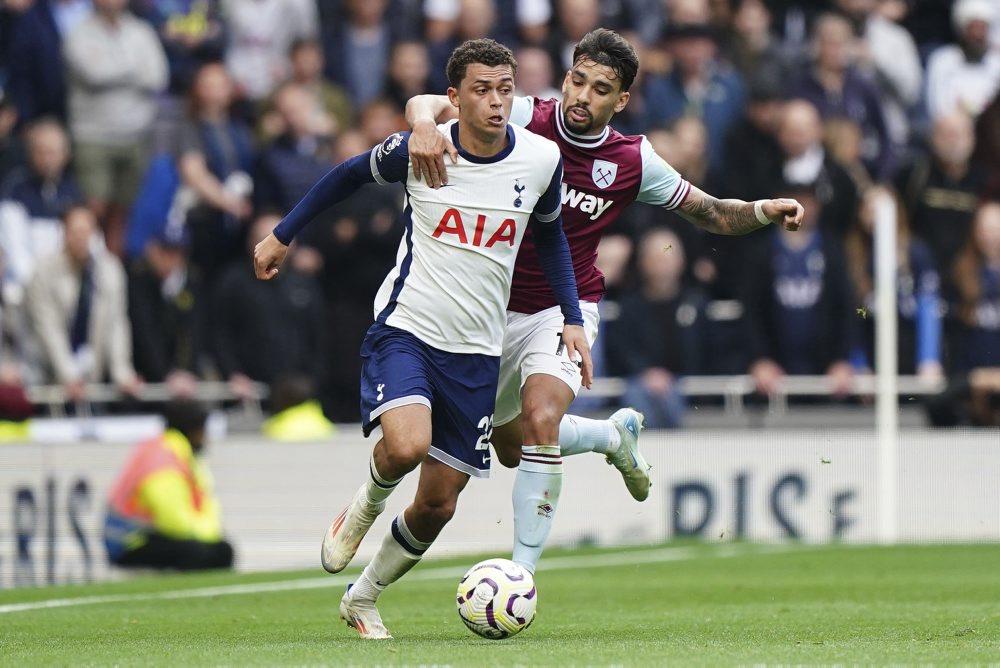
(383, 164)
(735, 217)
(427, 146)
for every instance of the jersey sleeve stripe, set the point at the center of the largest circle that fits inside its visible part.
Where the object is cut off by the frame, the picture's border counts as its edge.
(375, 174)
(549, 217)
(679, 195)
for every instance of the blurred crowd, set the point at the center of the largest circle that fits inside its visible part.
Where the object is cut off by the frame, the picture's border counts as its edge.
(145, 146)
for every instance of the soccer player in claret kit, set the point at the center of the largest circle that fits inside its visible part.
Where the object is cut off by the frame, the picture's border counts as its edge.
(605, 171)
(432, 357)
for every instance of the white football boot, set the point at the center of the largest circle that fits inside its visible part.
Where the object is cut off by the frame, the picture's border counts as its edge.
(363, 616)
(627, 458)
(345, 534)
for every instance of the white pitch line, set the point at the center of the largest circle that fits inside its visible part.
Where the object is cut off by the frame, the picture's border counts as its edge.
(631, 558)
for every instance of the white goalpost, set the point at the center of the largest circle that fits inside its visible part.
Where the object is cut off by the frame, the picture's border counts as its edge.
(886, 400)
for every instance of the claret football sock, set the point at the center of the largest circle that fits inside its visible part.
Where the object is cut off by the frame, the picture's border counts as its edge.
(399, 552)
(578, 435)
(535, 497)
(377, 488)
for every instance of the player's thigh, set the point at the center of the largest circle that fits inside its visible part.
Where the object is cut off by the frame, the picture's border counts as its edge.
(465, 387)
(396, 396)
(527, 334)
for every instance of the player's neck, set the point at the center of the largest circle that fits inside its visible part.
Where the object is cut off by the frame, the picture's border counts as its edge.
(480, 144)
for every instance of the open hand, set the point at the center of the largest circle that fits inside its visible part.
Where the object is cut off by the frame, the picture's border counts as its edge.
(427, 147)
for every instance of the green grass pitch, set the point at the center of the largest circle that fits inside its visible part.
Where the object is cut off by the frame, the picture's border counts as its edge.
(666, 605)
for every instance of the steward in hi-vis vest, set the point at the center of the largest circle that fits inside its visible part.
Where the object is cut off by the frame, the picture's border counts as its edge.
(161, 510)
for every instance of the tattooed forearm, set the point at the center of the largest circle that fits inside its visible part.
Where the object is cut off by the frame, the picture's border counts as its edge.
(720, 216)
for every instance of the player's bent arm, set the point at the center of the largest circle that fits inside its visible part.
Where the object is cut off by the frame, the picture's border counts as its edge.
(736, 217)
(427, 145)
(429, 109)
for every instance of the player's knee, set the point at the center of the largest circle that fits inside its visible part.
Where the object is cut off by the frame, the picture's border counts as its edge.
(404, 455)
(540, 424)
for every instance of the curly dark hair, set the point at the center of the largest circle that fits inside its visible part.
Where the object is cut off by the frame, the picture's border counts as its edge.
(483, 51)
(606, 47)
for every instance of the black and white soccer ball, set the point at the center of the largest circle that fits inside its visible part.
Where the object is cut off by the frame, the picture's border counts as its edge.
(497, 598)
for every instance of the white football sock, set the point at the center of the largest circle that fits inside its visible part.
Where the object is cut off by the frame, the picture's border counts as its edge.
(578, 435)
(377, 488)
(399, 552)
(535, 496)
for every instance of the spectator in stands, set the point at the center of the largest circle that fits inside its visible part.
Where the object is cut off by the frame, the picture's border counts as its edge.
(162, 510)
(296, 413)
(843, 142)
(659, 333)
(77, 303)
(11, 150)
(357, 50)
(977, 279)
(752, 154)
(964, 77)
(259, 36)
(308, 63)
(32, 201)
(800, 135)
(800, 309)
(699, 84)
(192, 33)
(116, 68)
(290, 165)
(215, 159)
(888, 56)
(918, 297)
(987, 152)
(168, 310)
(37, 76)
(757, 53)
(973, 393)
(835, 86)
(409, 71)
(380, 118)
(16, 359)
(535, 73)
(294, 337)
(941, 190)
(574, 19)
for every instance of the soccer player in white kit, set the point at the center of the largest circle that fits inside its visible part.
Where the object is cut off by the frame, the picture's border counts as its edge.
(605, 171)
(432, 357)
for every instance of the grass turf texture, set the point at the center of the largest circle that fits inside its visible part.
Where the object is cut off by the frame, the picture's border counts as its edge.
(701, 604)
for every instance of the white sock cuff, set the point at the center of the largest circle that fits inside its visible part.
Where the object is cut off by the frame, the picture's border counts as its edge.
(541, 459)
(405, 538)
(377, 478)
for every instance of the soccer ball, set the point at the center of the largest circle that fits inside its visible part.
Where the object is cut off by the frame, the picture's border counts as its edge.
(497, 599)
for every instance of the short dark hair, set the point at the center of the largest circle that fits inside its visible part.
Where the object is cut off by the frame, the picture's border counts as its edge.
(482, 51)
(606, 47)
(185, 415)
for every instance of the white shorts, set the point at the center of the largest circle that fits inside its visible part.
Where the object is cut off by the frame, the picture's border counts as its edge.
(529, 347)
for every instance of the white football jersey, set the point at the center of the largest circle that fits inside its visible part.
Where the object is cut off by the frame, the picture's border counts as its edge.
(453, 270)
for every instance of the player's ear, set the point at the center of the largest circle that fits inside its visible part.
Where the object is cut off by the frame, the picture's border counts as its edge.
(453, 97)
(565, 83)
(622, 101)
